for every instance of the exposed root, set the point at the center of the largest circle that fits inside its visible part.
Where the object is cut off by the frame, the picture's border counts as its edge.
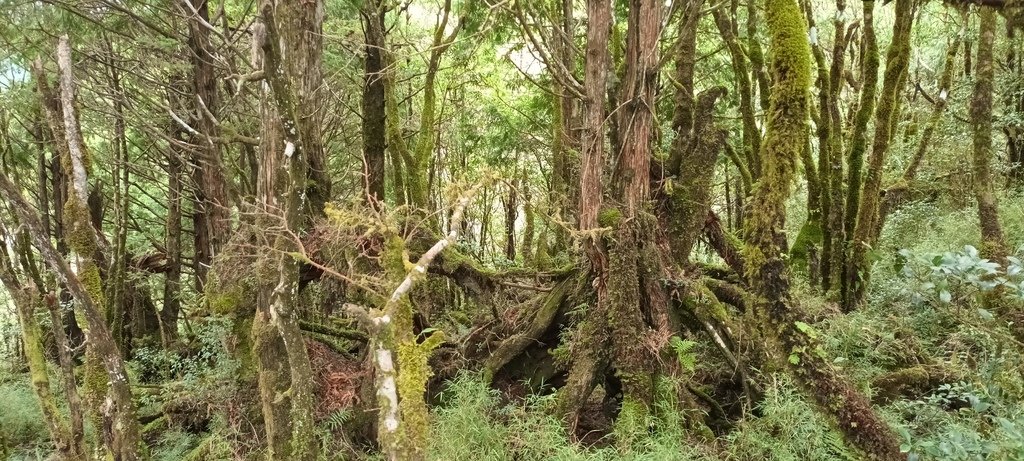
(542, 321)
(913, 382)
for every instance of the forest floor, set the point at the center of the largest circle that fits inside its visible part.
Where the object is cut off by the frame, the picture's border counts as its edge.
(946, 377)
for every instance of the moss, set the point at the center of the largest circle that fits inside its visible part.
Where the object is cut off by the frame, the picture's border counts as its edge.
(394, 257)
(913, 382)
(705, 304)
(414, 372)
(778, 314)
(865, 109)
(811, 235)
(632, 424)
(786, 136)
(542, 260)
(886, 115)
(609, 217)
(79, 232)
(633, 360)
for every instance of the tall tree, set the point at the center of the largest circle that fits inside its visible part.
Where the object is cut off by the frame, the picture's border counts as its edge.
(886, 115)
(993, 241)
(211, 216)
(766, 239)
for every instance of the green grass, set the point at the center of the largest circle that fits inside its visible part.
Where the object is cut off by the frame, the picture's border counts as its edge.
(23, 433)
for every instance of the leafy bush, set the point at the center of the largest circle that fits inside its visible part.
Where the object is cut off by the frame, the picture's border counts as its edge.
(938, 278)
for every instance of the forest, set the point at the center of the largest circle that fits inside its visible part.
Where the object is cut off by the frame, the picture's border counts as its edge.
(321, 230)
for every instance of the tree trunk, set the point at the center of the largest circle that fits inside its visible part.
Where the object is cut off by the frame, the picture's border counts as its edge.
(69, 443)
(374, 112)
(858, 269)
(115, 414)
(211, 216)
(172, 238)
(511, 215)
(779, 315)
(858, 144)
(583, 369)
(285, 375)
(726, 22)
(833, 239)
(993, 242)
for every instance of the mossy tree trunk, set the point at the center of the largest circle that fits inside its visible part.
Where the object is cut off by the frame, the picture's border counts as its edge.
(858, 144)
(107, 393)
(67, 436)
(399, 358)
(592, 358)
(119, 425)
(832, 198)
(565, 117)
(290, 144)
(993, 241)
(941, 99)
(813, 234)
(904, 188)
(1014, 102)
(857, 272)
(688, 202)
(172, 234)
(629, 252)
(781, 317)
(727, 28)
(756, 56)
(374, 111)
(415, 162)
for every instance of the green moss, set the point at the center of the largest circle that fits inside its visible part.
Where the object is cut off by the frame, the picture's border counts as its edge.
(414, 372)
(609, 217)
(79, 232)
(705, 304)
(394, 257)
(542, 260)
(863, 116)
(811, 234)
(632, 424)
(786, 136)
(229, 299)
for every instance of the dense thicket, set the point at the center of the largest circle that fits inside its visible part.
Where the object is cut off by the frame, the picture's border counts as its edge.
(558, 229)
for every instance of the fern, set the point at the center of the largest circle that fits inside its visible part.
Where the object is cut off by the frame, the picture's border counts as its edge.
(337, 420)
(684, 352)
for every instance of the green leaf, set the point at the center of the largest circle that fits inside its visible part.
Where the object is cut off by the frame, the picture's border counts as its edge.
(806, 329)
(683, 349)
(794, 359)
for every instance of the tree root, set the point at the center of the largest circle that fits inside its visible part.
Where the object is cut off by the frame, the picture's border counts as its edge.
(913, 382)
(542, 321)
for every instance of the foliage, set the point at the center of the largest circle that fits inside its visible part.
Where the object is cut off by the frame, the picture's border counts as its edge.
(939, 278)
(21, 421)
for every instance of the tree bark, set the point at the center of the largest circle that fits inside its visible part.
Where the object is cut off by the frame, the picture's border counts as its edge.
(211, 216)
(374, 111)
(285, 375)
(863, 238)
(765, 235)
(993, 241)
